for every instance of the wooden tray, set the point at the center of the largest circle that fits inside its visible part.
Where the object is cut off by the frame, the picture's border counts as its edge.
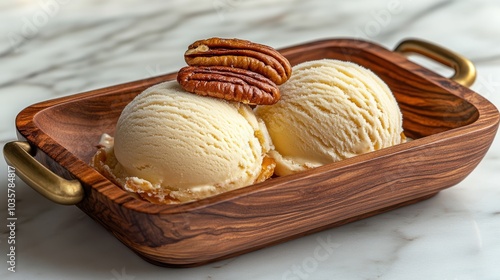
(453, 128)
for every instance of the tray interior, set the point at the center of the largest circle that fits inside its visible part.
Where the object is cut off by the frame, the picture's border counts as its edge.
(427, 108)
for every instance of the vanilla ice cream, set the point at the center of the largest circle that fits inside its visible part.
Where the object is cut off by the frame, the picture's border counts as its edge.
(171, 145)
(330, 110)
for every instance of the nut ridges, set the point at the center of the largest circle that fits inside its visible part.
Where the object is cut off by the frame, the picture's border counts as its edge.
(242, 54)
(232, 84)
(235, 70)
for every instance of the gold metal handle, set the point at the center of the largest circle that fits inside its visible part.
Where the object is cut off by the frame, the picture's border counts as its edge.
(465, 72)
(52, 186)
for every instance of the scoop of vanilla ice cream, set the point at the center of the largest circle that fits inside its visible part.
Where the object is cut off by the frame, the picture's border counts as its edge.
(330, 110)
(190, 145)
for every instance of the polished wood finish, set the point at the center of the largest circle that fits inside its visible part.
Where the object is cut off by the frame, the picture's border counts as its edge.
(451, 125)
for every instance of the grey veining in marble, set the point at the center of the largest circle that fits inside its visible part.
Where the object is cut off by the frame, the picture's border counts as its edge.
(53, 48)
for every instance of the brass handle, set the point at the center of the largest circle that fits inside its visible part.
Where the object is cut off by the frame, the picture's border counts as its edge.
(52, 186)
(465, 72)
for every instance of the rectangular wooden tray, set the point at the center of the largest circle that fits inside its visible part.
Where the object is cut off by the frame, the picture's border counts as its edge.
(451, 125)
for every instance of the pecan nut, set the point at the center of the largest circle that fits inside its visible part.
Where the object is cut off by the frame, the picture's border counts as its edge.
(232, 84)
(242, 54)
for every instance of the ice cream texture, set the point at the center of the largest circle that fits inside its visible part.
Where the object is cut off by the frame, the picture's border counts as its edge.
(330, 110)
(174, 145)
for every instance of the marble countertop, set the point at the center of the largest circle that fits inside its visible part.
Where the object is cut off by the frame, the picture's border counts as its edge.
(53, 48)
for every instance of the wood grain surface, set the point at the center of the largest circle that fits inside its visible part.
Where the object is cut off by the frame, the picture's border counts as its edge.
(453, 128)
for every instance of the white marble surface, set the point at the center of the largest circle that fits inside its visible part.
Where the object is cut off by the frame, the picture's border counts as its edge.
(54, 48)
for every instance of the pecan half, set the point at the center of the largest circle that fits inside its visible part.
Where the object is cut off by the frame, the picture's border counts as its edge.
(229, 83)
(242, 54)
